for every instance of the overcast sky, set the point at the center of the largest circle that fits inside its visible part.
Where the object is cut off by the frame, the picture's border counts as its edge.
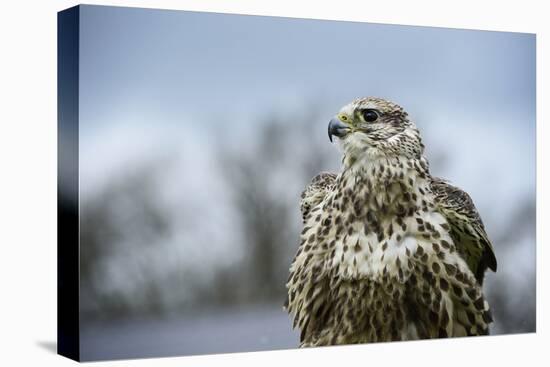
(151, 77)
(164, 66)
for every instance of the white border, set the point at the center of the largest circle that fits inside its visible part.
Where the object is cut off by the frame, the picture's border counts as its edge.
(28, 180)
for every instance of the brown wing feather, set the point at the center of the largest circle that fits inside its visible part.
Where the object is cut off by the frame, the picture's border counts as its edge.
(312, 196)
(316, 191)
(467, 229)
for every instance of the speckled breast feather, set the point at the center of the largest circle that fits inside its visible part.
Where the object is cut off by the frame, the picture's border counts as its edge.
(377, 259)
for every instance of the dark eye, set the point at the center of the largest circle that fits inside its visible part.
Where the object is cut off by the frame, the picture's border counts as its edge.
(370, 115)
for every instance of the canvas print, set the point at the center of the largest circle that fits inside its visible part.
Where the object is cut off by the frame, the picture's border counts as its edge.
(235, 183)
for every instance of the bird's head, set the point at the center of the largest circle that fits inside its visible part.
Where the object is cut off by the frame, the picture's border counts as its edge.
(375, 128)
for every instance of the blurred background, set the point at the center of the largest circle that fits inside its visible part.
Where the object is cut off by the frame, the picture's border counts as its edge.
(198, 132)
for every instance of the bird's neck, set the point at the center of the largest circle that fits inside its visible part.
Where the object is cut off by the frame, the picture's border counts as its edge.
(386, 184)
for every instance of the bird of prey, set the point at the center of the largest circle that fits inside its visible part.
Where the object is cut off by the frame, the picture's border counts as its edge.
(387, 251)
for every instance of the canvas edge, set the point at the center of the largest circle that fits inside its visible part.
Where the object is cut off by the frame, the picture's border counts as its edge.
(68, 325)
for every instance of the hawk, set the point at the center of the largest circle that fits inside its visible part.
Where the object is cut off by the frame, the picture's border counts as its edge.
(387, 252)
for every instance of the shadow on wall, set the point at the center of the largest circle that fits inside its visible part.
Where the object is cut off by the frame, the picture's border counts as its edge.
(50, 346)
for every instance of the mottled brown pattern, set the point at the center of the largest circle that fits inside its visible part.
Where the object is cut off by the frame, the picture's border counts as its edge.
(462, 215)
(387, 252)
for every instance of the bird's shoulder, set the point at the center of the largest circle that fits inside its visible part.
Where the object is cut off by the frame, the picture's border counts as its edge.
(467, 229)
(315, 191)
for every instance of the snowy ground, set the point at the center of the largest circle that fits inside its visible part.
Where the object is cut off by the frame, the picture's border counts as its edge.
(224, 331)
(210, 332)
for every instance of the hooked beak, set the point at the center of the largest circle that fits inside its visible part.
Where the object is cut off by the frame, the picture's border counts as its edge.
(337, 128)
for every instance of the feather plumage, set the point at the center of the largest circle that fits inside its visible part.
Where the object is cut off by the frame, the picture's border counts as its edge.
(379, 256)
